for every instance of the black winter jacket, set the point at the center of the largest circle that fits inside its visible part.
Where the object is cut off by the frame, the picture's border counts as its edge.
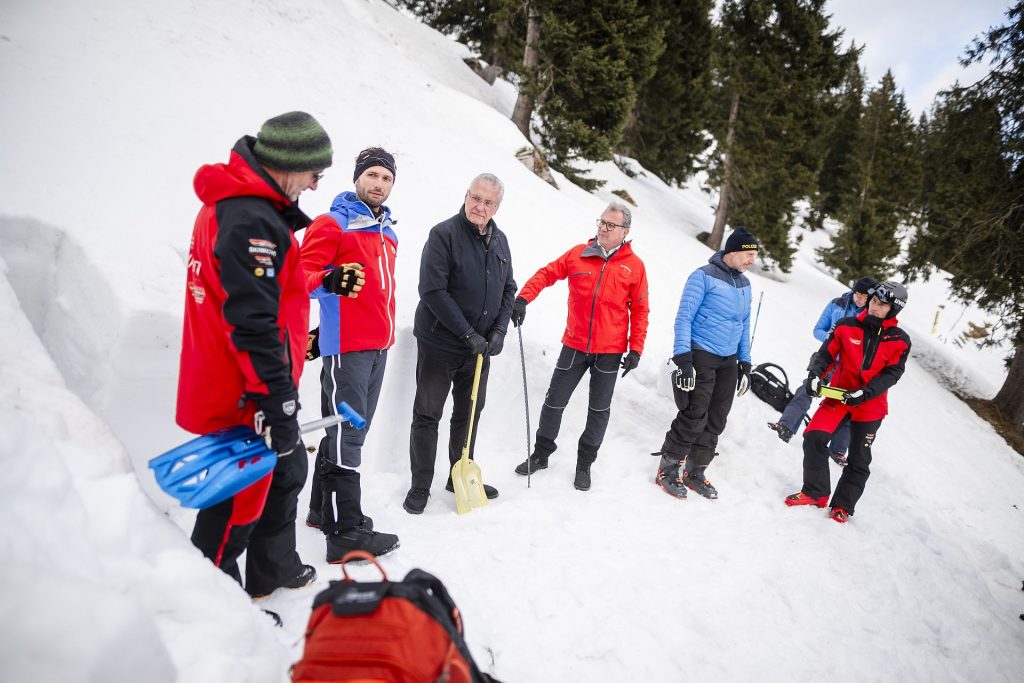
(465, 282)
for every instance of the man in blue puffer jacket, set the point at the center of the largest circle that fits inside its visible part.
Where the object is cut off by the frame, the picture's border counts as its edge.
(712, 352)
(846, 306)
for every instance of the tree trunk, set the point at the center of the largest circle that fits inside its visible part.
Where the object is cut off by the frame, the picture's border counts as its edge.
(523, 111)
(1010, 398)
(722, 210)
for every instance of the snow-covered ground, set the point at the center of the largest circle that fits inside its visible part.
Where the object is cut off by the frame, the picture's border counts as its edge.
(109, 108)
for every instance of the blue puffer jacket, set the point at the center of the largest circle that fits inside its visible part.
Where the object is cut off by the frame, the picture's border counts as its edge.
(714, 311)
(837, 309)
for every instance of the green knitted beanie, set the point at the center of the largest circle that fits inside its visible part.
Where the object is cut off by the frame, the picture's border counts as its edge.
(293, 142)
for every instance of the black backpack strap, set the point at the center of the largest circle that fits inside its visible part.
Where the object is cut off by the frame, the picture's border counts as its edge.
(765, 366)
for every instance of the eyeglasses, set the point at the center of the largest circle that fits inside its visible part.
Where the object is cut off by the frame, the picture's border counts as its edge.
(318, 176)
(488, 203)
(605, 225)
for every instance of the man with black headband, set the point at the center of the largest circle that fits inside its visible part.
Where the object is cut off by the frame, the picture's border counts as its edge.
(865, 356)
(348, 257)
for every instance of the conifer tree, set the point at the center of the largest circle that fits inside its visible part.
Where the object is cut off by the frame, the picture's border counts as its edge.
(974, 200)
(777, 68)
(594, 56)
(884, 188)
(580, 65)
(838, 168)
(665, 132)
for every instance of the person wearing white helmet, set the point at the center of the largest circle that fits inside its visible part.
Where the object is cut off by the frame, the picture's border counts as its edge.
(866, 356)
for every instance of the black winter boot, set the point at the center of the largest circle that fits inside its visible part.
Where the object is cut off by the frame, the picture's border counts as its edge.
(668, 476)
(537, 461)
(582, 481)
(359, 538)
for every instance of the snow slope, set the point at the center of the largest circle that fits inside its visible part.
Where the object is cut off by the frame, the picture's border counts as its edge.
(110, 107)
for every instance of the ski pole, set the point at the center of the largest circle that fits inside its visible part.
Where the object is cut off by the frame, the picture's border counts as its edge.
(757, 317)
(526, 401)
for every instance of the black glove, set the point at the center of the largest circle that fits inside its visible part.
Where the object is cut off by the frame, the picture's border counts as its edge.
(495, 342)
(313, 344)
(475, 342)
(743, 377)
(281, 421)
(686, 379)
(855, 397)
(345, 280)
(518, 311)
(812, 384)
(630, 361)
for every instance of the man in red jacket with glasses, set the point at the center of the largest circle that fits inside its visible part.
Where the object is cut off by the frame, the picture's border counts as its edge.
(244, 338)
(608, 309)
(867, 355)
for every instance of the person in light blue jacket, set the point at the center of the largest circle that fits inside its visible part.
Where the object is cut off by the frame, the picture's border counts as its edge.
(846, 306)
(712, 353)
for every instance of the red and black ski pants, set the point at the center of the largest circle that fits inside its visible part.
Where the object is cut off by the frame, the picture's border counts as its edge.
(266, 531)
(817, 482)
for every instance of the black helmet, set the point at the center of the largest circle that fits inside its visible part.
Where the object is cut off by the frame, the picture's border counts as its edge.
(892, 293)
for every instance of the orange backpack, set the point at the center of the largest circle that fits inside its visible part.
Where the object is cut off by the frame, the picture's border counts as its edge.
(408, 631)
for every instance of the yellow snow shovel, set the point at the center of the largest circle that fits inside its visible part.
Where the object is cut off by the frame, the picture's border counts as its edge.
(466, 478)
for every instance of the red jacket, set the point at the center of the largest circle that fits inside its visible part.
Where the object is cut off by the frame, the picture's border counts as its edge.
(872, 359)
(607, 298)
(246, 305)
(351, 233)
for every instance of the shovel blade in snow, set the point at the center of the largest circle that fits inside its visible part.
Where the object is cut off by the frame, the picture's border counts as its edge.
(468, 484)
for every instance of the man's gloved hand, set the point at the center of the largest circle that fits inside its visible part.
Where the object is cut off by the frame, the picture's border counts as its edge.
(685, 378)
(855, 397)
(812, 384)
(743, 377)
(629, 362)
(518, 311)
(495, 342)
(313, 344)
(345, 280)
(281, 421)
(475, 342)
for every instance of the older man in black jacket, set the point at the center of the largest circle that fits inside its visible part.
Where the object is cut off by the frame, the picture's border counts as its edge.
(466, 293)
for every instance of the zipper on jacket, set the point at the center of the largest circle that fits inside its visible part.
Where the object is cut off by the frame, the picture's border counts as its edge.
(593, 304)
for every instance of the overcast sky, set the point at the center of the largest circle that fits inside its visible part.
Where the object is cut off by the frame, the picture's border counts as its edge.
(921, 41)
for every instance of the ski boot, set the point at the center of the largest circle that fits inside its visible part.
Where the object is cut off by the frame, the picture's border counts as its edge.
(781, 430)
(801, 498)
(668, 476)
(696, 481)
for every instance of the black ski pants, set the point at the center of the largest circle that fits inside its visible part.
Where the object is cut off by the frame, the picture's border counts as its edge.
(271, 560)
(817, 483)
(569, 370)
(438, 372)
(694, 432)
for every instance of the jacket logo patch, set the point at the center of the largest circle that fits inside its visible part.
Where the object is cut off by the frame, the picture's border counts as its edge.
(855, 342)
(264, 260)
(266, 244)
(268, 251)
(625, 268)
(288, 407)
(198, 293)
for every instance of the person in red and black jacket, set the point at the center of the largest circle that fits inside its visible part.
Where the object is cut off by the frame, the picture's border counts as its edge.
(608, 308)
(244, 338)
(348, 261)
(867, 356)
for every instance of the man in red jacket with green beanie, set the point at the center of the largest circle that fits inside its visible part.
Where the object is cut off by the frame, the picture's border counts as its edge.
(608, 309)
(244, 338)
